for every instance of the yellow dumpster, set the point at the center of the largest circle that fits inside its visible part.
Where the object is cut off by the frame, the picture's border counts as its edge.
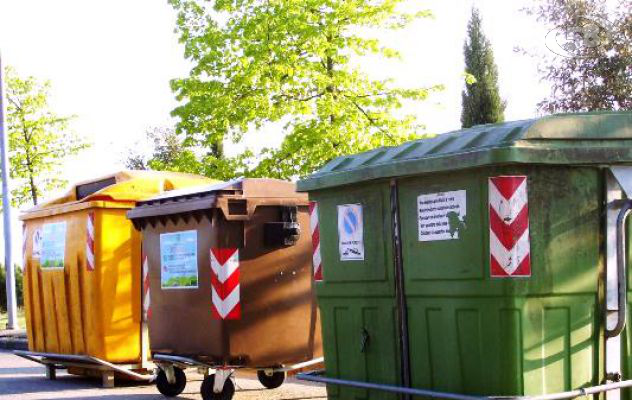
(82, 257)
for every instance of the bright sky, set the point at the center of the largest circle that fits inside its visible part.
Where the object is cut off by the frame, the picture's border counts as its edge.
(110, 63)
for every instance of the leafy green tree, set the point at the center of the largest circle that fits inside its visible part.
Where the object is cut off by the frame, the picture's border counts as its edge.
(162, 149)
(481, 101)
(39, 140)
(167, 153)
(293, 64)
(589, 66)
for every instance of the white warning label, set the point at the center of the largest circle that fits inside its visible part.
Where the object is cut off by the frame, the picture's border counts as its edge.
(37, 244)
(440, 215)
(350, 232)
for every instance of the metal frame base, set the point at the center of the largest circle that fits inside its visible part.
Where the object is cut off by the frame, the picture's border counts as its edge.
(54, 361)
(223, 372)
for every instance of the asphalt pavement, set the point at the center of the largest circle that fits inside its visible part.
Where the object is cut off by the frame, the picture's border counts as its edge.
(21, 379)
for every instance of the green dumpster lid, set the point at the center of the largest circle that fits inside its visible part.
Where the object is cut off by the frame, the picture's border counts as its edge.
(564, 139)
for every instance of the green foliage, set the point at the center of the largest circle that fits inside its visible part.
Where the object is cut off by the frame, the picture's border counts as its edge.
(53, 264)
(292, 63)
(39, 140)
(19, 283)
(593, 71)
(181, 281)
(481, 102)
(167, 153)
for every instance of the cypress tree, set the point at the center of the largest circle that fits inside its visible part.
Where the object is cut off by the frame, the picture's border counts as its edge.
(481, 100)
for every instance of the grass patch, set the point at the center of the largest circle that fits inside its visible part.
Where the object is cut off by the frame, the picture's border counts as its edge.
(4, 319)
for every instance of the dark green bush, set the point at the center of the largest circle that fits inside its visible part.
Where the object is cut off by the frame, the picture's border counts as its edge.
(3, 287)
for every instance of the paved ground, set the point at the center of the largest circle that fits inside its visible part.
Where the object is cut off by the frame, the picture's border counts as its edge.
(24, 380)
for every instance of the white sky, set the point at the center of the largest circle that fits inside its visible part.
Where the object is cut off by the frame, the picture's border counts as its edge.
(110, 63)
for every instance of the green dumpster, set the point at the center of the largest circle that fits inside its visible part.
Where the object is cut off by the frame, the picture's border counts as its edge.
(482, 261)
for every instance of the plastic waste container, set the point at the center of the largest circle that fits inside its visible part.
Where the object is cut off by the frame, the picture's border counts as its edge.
(482, 261)
(231, 283)
(83, 272)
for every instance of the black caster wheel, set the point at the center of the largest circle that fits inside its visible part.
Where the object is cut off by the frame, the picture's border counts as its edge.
(207, 389)
(272, 380)
(171, 389)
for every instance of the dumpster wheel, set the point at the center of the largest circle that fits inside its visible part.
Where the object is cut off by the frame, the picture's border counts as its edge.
(227, 393)
(271, 379)
(171, 389)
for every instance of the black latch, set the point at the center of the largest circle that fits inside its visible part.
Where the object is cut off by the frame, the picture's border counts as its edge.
(283, 233)
(364, 341)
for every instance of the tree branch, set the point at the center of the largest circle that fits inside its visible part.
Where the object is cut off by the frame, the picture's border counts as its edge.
(289, 97)
(371, 119)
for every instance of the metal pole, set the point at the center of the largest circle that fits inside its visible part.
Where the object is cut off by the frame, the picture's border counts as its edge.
(390, 388)
(402, 307)
(456, 396)
(6, 208)
(582, 392)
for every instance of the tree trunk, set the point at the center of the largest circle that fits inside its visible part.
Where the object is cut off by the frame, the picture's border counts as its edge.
(29, 167)
(33, 189)
(330, 88)
(217, 149)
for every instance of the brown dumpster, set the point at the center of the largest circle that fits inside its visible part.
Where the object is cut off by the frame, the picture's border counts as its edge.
(230, 280)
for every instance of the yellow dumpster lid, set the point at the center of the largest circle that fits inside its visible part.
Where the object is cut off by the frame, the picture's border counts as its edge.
(120, 190)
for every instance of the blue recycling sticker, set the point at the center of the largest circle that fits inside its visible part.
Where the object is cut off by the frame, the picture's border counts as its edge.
(350, 221)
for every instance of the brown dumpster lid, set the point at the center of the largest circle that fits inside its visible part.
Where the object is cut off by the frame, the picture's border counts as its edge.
(236, 198)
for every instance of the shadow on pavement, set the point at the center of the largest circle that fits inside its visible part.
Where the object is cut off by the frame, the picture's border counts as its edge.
(117, 397)
(20, 370)
(23, 380)
(305, 398)
(16, 385)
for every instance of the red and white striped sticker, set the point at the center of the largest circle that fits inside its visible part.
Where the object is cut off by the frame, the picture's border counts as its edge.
(509, 227)
(146, 291)
(315, 229)
(225, 283)
(90, 242)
